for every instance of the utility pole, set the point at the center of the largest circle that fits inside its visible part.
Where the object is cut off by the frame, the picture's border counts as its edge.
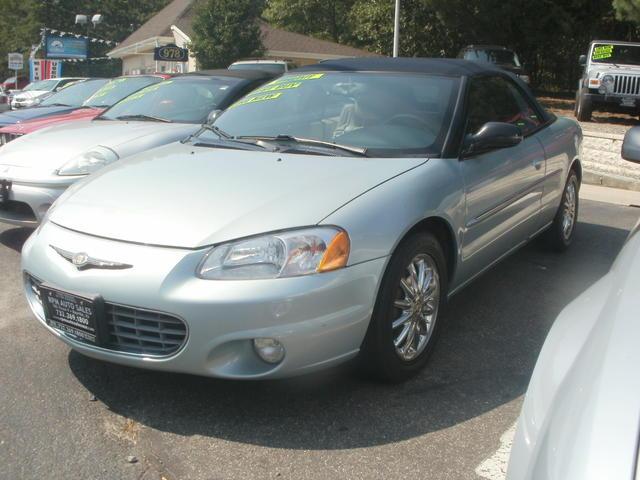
(396, 29)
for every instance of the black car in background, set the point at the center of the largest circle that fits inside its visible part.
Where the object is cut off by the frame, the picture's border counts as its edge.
(498, 55)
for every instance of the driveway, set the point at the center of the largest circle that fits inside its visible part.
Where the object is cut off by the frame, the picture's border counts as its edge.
(64, 416)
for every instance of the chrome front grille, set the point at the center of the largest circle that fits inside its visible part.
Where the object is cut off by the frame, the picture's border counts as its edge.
(626, 85)
(133, 330)
(144, 332)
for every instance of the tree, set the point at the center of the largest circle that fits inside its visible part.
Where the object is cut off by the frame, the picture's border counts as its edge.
(627, 10)
(326, 19)
(21, 21)
(226, 30)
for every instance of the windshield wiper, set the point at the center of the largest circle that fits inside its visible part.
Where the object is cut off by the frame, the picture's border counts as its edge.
(143, 118)
(224, 137)
(218, 131)
(312, 142)
(56, 105)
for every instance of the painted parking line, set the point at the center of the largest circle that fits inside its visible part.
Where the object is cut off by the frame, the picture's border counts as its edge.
(495, 467)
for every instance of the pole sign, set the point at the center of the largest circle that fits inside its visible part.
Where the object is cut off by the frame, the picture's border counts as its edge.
(16, 61)
(171, 53)
(65, 47)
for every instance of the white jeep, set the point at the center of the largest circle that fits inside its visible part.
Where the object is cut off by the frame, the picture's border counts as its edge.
(611, 79)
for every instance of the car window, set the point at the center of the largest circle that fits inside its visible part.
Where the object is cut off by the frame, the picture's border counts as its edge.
(42, 85)
(73, 95)
(117, 89)
(497, 56)
(495, 99)
(265, 67)
(187, 100)
(391, 114)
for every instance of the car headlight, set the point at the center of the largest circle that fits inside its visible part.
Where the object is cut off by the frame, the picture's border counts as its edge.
(607, 80)
(89, 161)
(282, 254)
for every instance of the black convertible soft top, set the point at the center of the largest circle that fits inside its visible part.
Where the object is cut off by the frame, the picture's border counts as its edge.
(438, 66)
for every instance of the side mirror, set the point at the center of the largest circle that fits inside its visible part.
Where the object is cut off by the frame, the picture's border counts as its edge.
(213, 115)
(492, 136)
(582, 60)
(631, 145)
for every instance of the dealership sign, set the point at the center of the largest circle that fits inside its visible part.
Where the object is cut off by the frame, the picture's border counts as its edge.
(65, 47)
(171, 53)
(16, 61)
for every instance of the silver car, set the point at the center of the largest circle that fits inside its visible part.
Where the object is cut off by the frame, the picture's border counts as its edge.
(327, 215)
(581, 415)
(39, 166)
(35, 92)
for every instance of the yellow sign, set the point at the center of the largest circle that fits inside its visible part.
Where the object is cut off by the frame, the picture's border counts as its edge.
(259, 98)
(602, 51)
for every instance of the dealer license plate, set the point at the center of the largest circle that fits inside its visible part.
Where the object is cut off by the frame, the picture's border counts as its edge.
(72, 314)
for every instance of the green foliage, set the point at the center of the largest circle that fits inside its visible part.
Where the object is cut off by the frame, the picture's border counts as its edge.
(627, 10)
(320, 18)
(21, 21)
(548, 36)
(226, 30)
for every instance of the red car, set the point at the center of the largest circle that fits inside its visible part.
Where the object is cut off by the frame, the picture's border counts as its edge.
(109, 94)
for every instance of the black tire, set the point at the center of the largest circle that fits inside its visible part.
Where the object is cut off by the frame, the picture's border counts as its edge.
(557, 237)
(583, 108)
(378, 355)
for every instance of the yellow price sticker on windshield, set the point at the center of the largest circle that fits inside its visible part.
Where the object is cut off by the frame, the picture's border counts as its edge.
(602, 51)
(296, 78)
(146, 90)
(259, 98)
(278, 86)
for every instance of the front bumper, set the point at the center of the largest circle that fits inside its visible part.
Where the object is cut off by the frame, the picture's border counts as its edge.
(622, 102)
(28, 202)
(320, 319)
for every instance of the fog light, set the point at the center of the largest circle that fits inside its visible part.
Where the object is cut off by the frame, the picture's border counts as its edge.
(269, 349)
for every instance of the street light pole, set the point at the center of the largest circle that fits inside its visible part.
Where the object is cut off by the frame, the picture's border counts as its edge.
(84, 20)
(396, 29)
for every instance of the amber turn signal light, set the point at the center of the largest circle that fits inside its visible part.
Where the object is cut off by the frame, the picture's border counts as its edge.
(337, 253)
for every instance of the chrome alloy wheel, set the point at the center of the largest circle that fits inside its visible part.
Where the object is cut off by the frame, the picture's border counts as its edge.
(569, 210)
(417, 300)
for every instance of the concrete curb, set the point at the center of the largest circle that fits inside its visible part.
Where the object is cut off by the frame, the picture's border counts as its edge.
(603, 165)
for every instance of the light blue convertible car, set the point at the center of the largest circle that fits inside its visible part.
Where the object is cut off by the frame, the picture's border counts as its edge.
(327, 215)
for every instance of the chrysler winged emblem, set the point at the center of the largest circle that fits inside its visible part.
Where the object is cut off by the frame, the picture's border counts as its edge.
(82, 261)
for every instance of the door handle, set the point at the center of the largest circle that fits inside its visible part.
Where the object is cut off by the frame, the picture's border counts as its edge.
(537, 163)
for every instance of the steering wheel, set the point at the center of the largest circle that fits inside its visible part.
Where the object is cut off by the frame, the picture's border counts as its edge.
(409, 120)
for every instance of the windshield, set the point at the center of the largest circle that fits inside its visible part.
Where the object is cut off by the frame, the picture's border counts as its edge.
(187, 100)
(264, 67)
(44, 85)
(117, 89)
(75, 94)
(497, 56)
(612, 53)
(389, 114)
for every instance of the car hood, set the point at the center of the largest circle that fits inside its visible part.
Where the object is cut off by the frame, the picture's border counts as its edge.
(32, 125)
(66, 140)
(29, 94)
(186, 196)
(613, 69)
(17, 116)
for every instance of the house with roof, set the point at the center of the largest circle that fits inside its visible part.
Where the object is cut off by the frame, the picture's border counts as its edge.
(173, 26)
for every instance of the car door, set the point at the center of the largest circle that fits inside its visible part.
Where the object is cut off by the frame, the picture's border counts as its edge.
(503, 188)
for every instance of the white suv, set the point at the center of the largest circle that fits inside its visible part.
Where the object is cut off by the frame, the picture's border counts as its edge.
(271, 66)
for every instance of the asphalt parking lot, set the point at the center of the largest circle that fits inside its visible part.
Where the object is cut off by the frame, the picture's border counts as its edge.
(64, 416)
